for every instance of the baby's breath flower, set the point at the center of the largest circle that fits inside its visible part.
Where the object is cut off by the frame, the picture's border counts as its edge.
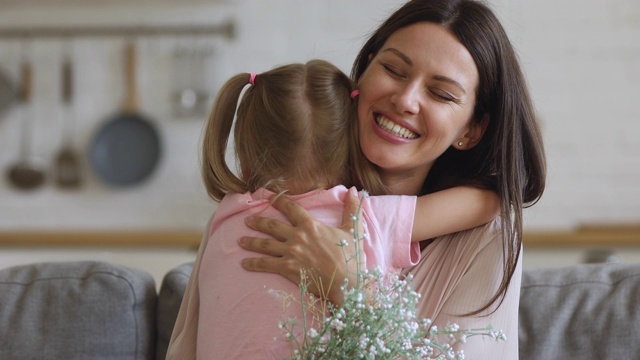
(312, 333)
(376, 320)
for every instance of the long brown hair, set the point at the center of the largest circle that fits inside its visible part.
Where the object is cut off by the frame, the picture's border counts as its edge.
(510, 157)
(294, 131)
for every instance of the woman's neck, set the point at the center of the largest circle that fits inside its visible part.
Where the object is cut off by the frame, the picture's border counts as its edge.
(404, 183)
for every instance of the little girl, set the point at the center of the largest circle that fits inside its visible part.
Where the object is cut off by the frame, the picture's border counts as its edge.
(295, 133)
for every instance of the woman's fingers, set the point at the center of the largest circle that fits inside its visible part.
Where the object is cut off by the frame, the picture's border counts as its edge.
(294, 212)
(351, 205)
(274, 265)
(351, 208)
(273, 227)
(307, 244)
(264, 246)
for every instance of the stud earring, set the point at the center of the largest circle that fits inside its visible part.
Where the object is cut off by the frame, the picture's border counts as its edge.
(460, 143)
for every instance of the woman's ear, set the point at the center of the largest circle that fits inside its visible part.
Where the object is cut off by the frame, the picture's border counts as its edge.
(472, 134)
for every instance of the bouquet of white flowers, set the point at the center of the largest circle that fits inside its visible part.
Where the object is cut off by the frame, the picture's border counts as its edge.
(377, 320)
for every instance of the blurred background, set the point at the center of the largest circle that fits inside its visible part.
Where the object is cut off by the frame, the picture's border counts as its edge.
(59, 199)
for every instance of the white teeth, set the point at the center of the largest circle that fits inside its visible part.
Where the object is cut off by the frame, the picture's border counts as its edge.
(395, 128)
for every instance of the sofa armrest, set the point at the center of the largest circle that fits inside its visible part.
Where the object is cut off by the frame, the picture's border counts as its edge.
(580, 312)
(76, 310)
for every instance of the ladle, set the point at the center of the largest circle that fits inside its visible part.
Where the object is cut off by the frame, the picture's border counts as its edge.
(27, 173)
(67, 161)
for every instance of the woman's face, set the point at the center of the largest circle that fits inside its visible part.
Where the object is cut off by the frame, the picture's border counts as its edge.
(416, 99)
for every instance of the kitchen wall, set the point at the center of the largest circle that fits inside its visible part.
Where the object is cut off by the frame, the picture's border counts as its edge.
(268, 33)
(582, 59)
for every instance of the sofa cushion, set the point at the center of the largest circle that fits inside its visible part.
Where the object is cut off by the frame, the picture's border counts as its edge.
(76, 310)
(172, 290)
(580, 312)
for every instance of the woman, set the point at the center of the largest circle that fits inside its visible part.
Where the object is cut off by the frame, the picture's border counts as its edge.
(442, 103)
(314, 105)
(427, 77)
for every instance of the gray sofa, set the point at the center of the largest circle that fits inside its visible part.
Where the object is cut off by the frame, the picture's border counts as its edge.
(97, 310)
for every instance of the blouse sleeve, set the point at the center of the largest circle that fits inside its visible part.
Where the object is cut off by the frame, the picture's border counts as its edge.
(460, 273)
(391, 217)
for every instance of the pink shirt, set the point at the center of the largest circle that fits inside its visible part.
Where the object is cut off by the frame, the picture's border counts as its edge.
(240, 311)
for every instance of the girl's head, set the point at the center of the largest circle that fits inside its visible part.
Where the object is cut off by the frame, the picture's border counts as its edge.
(292, 131)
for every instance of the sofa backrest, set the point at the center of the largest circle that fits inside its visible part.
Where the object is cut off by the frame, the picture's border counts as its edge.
(580, 312)
(172, 290)
(77, 310)
(97, 310)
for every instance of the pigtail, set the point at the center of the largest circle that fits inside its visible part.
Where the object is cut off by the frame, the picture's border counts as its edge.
(218, 177)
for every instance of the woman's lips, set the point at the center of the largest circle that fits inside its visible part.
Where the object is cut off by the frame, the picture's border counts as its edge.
(394, 128)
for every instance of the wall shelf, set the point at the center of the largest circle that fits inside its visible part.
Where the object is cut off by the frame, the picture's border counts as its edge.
(227, 29)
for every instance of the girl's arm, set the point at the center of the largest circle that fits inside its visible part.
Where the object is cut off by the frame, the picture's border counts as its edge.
(452, 210)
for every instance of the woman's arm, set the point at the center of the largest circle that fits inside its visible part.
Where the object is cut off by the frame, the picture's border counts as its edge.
(452, 210)
(305, 244)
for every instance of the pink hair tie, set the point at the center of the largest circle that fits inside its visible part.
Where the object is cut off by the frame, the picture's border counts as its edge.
(354, 93)
(252, 78)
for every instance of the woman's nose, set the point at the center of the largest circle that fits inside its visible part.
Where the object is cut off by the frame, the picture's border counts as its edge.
(407, 99)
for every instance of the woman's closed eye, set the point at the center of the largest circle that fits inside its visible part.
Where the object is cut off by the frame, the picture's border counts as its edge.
(393, 71)
(443, 96)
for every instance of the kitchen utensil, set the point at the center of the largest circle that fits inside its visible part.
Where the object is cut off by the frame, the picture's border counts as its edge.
(27, 173)
(190, 99)
(67, 166)
(126, 149)
(8, 93)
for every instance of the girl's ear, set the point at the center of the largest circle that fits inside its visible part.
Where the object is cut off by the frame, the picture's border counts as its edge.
(472, 134)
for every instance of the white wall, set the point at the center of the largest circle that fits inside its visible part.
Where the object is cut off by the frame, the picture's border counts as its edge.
(582, 59)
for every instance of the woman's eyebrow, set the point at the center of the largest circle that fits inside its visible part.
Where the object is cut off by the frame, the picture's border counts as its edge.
(401, 55)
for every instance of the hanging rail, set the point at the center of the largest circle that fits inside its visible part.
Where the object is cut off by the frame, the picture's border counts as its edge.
(226, 29)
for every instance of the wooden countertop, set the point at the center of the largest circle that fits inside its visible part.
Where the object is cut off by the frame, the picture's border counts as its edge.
(587, 235)
(129, 238)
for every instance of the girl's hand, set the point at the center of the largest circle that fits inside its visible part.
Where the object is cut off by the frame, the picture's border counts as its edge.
(305, 244)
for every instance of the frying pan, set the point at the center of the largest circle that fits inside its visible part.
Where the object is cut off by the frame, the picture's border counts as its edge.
(126, 149)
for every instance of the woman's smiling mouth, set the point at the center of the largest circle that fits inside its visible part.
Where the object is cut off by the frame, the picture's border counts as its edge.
(394, 128)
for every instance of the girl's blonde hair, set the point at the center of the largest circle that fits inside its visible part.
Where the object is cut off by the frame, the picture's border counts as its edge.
(295, 131)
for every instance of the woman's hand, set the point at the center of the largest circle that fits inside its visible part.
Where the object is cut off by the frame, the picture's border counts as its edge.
(305, 244)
